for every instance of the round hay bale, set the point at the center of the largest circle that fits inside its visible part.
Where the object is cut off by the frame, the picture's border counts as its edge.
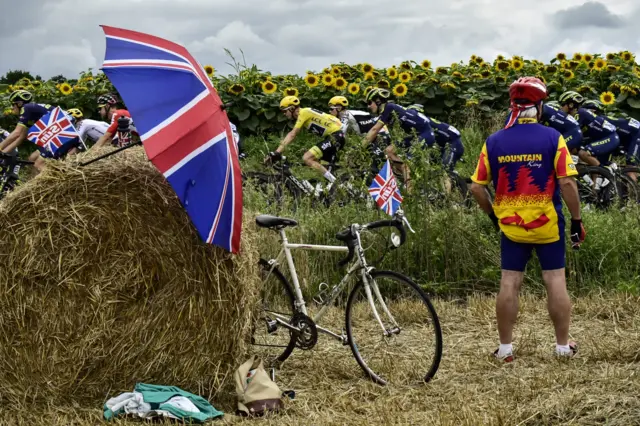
(104, 282)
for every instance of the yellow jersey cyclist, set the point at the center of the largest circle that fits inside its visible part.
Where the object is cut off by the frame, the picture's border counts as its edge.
(318, 123)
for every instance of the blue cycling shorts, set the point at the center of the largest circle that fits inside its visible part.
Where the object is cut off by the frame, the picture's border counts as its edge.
(573, 138)
(426, 138)
(515, 256)
(603, 148)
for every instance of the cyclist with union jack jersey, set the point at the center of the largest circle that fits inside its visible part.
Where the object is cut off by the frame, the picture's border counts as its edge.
(120, 119)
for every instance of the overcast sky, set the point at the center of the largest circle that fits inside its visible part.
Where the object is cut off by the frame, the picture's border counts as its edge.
(291, 36)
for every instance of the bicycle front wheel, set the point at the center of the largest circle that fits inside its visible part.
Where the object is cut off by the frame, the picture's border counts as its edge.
(393, 330)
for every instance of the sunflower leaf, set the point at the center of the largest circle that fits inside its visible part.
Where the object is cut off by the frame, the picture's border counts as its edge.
(633, 102)
(243, 114)
(251, 123)
(621, 98)
(450, 102)
(269, 114)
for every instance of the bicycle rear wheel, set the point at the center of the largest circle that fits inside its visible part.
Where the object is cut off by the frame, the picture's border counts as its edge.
(597, 186)
(408, 352)
(270, 340)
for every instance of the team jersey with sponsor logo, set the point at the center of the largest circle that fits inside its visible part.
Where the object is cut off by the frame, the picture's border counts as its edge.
(317, 122)
(360, 122)
(409, 118)
(443, 132)
(92, 129)
(627, 128)
(31, 113)
(558, 119)
(524, 163)
(594, 127)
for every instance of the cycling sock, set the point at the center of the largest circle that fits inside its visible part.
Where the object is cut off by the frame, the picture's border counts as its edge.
(505, 349)
(328, 176)
(563, 349)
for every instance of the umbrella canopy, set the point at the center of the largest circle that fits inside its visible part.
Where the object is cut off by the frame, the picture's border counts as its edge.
(183, 127)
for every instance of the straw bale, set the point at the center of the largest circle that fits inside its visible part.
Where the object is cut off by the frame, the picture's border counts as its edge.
(104, 282)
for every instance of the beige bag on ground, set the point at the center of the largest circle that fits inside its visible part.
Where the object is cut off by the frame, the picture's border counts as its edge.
(256, 391)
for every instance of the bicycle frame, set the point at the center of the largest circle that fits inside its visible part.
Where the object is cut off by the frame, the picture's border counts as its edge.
(359, 264)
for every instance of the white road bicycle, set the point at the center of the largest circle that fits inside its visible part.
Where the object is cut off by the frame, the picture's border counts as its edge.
(400, 348)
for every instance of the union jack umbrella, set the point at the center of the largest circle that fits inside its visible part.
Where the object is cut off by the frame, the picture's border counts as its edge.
(183, 128)
(384, 190)
(54, 133)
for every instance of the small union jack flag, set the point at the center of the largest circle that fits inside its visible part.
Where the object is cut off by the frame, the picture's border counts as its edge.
(53, 132)
(384, 190)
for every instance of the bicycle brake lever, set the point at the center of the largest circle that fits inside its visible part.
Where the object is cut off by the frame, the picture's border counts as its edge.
(406, 221)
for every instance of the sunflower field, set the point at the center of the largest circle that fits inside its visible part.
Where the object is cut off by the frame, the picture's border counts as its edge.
(446, 92)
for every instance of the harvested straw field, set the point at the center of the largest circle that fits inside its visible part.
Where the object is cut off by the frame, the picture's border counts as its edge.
(600, 386)
(104, 282)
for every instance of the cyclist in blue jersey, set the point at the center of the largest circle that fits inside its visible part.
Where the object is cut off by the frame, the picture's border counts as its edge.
(29, 113)
(444, 134)
(553, 116)
(628, 130)
(600, 138)
(410, 120)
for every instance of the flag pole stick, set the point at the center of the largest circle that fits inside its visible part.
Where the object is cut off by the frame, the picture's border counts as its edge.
(110, 153)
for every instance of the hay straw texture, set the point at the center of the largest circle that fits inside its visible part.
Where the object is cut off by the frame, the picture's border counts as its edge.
(599, 387)
(104, 282)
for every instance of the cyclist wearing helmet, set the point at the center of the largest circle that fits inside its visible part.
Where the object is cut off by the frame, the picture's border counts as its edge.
(444, 134)
(87, 128)
(30, 113)
(318, 123)
(121, 125)
(554, 117)
(531, 169)
(600, 137)
(410, 120)
(628, 130)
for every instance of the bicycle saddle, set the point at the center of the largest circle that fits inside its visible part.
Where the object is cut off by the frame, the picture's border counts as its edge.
(268, 221)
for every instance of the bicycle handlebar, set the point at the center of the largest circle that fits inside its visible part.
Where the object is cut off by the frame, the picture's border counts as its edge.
(348, 235)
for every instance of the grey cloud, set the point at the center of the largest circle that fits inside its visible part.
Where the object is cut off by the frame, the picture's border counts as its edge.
(590, 14)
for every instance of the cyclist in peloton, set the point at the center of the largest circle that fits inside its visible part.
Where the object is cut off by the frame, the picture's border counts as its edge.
(554, 116)
(29, 113)
(378, 101)
(628, 130)
(359, 122)
(87, 129)
(444, 134)
(120, 119)
(318, 123)
(600, 137)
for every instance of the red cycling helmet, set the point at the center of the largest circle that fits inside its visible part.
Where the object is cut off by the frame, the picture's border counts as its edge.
(530, 89)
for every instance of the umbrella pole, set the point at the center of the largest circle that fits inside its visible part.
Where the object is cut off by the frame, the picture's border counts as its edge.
(110, 153)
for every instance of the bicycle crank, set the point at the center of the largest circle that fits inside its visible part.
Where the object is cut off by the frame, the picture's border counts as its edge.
(307, 336)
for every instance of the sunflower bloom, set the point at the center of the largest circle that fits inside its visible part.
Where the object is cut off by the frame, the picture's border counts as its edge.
(392, 73)
(367, 68)
(311, 80)
(587, 57)
(471, 102)
(327, 80)
(457, 74)
(502, 65)
(607, 98)
(353, 88)
(209, 70)
(500, 79)
(611, 56)
(290, 91)
(577, 56)
(627, 56)
(368, 76)
(476, 76)
(628, 90)
(568, 74)
(426, 64)
(591, 64)
(65, 89)
(479, 60)
(340, 83)
(384, 84)
(500, 58)
(561, 56)
(615, 86)
(404, 77)
(406, 65)
(236, 89)
(441, 70)
(600, 64)
(400, 90)
(551, 69)
(613, 68)
(584, 89)
(326, 71)
(269, 87)
(485, 74)
(336, 70)
(448, 85)
(421, 77)
(573, 64)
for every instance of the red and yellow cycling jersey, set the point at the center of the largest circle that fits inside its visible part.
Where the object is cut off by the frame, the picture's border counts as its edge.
(524, 164)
